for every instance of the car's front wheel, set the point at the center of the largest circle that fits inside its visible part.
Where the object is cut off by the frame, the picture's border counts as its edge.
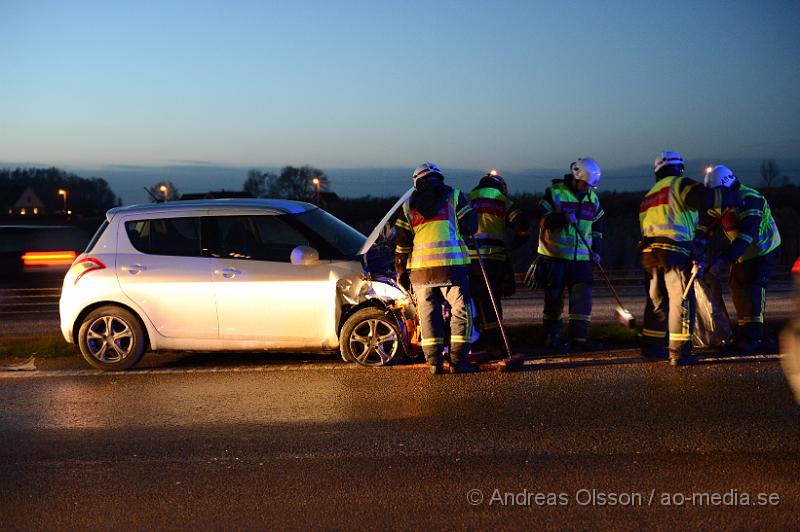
(112, 339)
(371, 337)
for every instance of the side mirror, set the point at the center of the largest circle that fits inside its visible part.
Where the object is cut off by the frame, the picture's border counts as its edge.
(304, 256)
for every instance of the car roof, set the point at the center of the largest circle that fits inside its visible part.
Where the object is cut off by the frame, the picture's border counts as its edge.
(279, 205)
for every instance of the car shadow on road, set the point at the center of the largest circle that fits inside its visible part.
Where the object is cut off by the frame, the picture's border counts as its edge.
(196, 360)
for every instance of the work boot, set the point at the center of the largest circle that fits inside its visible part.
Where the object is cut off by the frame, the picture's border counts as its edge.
(463, 367)
(747, 346)
(676, 358)
(584, 344)
(555, 343)
(435, 364)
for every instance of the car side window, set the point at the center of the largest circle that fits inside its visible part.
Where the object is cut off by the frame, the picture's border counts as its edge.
(166, 236)
(265, 237)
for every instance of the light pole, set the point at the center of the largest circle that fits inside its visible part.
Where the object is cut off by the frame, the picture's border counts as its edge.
(164, 190)
(316, 183)
(63, 193)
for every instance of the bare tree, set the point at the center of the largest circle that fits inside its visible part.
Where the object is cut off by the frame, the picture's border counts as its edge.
(297, 183)
(770, 172)
(256, 183)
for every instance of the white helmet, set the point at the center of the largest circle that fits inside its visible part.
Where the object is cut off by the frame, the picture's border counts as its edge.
(719, 176)
(586, 170)
(497, 177)
(666, 158)
(425, 170)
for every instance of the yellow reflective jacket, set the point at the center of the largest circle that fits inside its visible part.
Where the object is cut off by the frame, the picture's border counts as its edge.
(563, 242)
(437, 239)
(666, 220)
(494, 210)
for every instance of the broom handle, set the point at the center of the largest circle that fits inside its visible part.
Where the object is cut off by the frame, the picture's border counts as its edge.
(690, 283)
(602, 271)
(707, 233)
(491, 297)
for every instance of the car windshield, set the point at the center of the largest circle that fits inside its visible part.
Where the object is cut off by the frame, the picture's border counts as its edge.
(340, 236)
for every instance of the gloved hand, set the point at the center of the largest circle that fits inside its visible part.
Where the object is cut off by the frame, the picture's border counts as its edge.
(698, 268)
(570, 218)
(596, 258)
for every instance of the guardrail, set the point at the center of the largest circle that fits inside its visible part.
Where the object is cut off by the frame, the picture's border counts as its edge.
(25, 301)
(44, 300)
(627, 280)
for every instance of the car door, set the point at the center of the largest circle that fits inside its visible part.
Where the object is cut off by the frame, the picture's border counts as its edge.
(260, 294)
(159, 266)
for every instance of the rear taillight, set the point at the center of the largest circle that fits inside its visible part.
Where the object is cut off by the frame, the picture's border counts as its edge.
(84, 266)
(796, 267)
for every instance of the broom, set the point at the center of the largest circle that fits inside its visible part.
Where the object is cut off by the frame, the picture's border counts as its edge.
(512, 362)
(623, 315)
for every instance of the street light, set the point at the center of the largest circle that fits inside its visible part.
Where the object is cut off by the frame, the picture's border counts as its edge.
(164, 189)
(316, 183)
(62, 192)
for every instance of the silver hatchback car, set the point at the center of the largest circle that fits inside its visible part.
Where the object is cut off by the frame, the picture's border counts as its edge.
(236, 275)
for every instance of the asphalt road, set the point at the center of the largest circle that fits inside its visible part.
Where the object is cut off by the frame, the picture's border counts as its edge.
(268, 444)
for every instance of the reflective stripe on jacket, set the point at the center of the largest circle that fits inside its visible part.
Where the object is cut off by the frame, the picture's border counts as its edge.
(493, 209)
(437, 240)
(665, 217)
(768, 238)
(564, 242)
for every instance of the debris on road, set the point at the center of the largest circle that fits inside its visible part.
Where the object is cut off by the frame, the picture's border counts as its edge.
(28, 365)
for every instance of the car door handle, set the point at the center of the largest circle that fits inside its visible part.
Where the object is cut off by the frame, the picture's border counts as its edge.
(134, 269)
(227, 273)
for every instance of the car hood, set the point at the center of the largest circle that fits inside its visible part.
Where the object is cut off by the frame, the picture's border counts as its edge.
(381, 230)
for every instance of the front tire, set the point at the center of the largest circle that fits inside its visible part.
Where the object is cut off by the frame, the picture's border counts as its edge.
(372, 338)
(112, 339)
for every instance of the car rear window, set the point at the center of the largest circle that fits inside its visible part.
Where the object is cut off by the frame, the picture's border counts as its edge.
(166, 236)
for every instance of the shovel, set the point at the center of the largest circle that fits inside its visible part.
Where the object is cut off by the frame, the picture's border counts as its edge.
(512, 362)
(623, 315)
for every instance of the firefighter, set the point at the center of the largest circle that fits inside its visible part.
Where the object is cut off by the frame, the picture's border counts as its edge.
(495, 212)
(668, 217)
(432, 257)
(568, 206)
(752, 253)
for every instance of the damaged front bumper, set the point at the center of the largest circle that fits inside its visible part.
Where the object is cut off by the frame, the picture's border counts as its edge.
(383, 291)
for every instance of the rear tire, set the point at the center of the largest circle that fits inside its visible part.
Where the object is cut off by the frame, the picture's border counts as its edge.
(372, 338)
(112, 339)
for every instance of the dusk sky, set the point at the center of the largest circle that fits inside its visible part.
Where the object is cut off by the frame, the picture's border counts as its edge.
(517, 85)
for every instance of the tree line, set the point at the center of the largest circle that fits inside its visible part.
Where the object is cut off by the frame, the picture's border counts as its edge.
(92, 197)
(86, 196)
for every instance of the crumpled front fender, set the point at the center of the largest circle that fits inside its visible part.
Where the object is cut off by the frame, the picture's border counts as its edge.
(354, 293)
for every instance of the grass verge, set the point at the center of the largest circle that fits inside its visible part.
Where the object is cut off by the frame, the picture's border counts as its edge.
(612, 334)
(39, 346)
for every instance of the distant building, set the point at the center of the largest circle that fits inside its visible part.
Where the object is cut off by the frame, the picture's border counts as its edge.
(28, 204)
(216, 194)
(329, 199)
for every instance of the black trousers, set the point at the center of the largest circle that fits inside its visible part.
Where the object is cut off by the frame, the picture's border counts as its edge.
(495, 271)
(748, 283)
(576, 277)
